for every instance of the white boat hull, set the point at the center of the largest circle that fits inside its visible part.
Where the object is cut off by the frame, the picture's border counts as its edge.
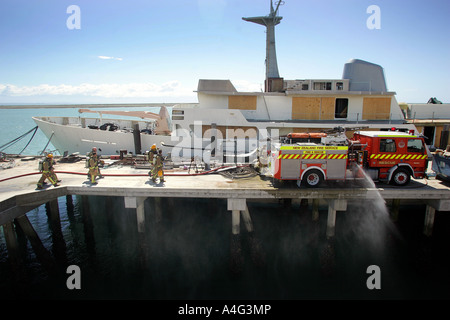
(71, 139)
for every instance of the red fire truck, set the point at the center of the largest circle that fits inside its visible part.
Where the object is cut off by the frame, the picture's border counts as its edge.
(389, 156)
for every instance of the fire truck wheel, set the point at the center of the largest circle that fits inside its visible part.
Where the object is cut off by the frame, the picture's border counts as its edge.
(401, 177)
(313, 178)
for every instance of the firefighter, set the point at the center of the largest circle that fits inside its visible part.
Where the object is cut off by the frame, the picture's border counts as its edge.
(48, 172)
(93, 163)
(152, 158)
(94, 151)
(158, 168)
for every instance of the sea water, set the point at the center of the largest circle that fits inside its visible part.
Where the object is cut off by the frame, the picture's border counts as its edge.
(186, 251)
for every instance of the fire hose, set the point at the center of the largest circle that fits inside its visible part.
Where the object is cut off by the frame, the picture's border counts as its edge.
(218, 170)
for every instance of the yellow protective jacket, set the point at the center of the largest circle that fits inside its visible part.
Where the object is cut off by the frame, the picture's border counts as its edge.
(93, 163)
(152, 155)
(159, 161)
(47, 166)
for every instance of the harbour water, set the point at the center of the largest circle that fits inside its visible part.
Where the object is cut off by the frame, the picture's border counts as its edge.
(186, 250)
(186, 254)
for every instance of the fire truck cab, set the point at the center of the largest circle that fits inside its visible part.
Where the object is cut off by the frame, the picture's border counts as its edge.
(389, 156)
(393, 157)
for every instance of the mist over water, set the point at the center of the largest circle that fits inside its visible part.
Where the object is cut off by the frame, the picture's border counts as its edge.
(368, 219)
(366, 236)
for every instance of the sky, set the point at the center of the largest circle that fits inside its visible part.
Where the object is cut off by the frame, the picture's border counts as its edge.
(148, 51)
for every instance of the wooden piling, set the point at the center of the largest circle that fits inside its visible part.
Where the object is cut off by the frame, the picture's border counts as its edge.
(304, 203)
(235, 222)
(109, 210)
(69, 203)
(395, 209)
(138, 204)
(331, 222)
(158, 209)
(315, 209)
(140, 215)
(429, 220)
(21, 238)
(42, 253)
(333, 206)
(12, 244)
(88, 228)
(256, 251)
(59, 245)
(247, 219)
(236, 206)
(235, 246)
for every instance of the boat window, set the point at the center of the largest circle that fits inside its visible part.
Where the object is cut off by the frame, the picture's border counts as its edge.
(339, 86)
(415, 145)
(387, 145)
(305, 86)
(341, 108)
(322, 85)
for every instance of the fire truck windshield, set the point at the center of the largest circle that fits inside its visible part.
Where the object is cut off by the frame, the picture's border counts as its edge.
(415, 145)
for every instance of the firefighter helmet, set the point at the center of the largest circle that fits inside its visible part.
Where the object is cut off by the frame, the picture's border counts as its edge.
(154, 147)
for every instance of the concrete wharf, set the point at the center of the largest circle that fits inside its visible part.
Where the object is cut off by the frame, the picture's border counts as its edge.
(18, 194)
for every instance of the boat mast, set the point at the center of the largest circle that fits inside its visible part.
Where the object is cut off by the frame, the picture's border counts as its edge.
(273, 82)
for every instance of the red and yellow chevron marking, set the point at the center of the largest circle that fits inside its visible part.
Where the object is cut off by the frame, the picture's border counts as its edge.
(315, 156)
(289, 156)
(398, 156)
(337, 156)
(312, 156)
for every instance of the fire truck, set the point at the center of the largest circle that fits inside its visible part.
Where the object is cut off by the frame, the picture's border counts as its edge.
(389, 156)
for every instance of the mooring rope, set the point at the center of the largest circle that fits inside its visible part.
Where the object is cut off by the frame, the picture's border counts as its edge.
(29, 141)
(43, 150)
(12, 142)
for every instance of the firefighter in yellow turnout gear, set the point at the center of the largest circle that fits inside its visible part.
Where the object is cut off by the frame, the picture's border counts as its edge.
(152, 158)
(93, 163)
(48, 172)
(152, 154)
(157, 170)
